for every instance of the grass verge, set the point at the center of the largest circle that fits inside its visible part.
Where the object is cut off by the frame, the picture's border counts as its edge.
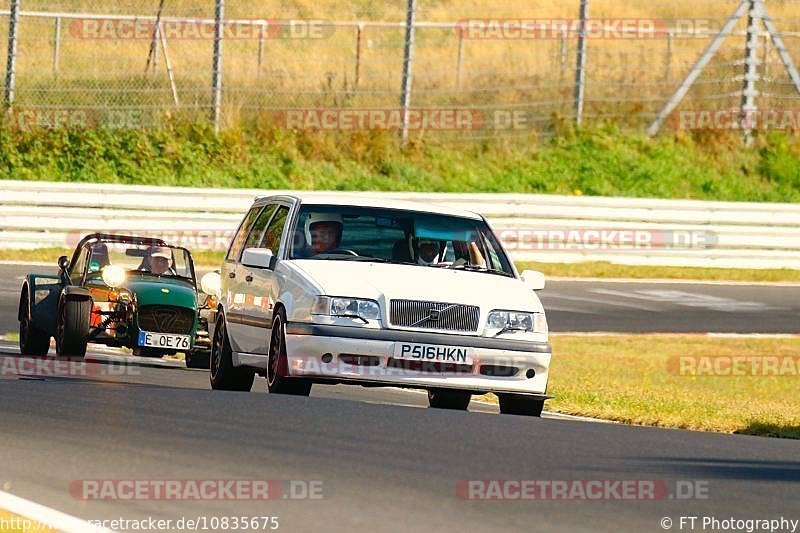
(603, 160)
(600, 269)
(636, 379)
(209, 259)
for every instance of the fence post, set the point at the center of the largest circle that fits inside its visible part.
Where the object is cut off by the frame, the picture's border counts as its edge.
(216, 78)
(408, 58)
(460, 61)
(261, 31)
(668, 65)
(749, 91)
(359, 43)
(11, 65)
(57, 46)
(580, 70)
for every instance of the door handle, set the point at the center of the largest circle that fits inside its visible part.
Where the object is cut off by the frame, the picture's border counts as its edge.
(249, 278)
(231, 275)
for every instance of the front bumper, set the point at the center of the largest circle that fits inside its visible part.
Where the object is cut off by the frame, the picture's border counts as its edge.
(368, 356)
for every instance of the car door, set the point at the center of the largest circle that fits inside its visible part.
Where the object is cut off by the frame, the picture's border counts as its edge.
(233, 281)
(262, 288)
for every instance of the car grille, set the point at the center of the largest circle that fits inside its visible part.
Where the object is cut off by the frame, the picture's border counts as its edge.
(434, 315)
(165, 319)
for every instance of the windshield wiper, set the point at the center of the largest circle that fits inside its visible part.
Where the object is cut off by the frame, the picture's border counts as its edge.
(476, 268)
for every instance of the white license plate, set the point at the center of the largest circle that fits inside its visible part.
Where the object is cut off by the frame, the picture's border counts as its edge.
(433, 353)
(162, 340)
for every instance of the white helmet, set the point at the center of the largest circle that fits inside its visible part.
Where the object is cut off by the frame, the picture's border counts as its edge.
(317, 218)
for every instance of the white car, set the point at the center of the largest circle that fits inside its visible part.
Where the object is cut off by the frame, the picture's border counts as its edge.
(348, 290)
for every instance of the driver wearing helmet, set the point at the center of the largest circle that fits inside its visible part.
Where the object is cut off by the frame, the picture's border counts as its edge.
(323, 231)
(99, 258)
(428, 252)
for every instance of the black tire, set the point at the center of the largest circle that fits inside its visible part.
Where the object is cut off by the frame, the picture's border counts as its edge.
(32, 340)
(73, 325)
(278, 366)
(223, 375)
(514, 404)
(201, 360)
(449, 399)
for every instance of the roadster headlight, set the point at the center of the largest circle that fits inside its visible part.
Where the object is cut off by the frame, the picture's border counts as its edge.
(113, 276)
(510, 321)
(344, 307)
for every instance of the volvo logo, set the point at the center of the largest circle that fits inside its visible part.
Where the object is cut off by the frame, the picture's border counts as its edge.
(434, 315)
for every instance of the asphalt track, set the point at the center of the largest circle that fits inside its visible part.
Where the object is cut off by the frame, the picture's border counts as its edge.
(383, 462)
(591, 306)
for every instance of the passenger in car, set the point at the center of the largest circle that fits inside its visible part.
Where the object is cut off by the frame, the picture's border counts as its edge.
(428, 252)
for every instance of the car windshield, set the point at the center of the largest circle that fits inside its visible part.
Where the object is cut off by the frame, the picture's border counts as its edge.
(346, 233)
(149, 260)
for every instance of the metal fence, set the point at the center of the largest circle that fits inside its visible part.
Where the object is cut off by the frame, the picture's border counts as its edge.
(516, 68)
(545, 228)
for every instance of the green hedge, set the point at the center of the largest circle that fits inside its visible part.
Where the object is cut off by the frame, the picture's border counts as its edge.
(596, 161)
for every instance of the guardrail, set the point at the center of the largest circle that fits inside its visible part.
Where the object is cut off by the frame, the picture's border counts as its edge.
(533, 227)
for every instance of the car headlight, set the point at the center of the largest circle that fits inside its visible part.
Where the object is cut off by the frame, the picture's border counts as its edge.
(347, 307)
(515, 321)
(114, 276)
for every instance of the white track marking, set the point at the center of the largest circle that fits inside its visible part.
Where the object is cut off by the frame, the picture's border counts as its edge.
(50, 518)
(658, 281)
(600, 301)
(691, 299)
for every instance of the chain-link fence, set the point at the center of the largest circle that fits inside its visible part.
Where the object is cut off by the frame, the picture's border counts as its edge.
(477, 67)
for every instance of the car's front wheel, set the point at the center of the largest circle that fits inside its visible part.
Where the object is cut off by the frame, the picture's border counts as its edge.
(223, 375)
(515, 404)
(449, 399)
(32, 340)
(72, 327)
(278, 380)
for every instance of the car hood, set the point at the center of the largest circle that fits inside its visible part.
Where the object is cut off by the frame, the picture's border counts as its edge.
(151, 290)
(377, 281)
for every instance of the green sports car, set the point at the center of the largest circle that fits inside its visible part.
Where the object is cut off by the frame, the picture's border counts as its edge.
(121, 291)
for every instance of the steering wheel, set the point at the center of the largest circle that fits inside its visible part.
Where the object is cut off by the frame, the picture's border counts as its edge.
(340, 251)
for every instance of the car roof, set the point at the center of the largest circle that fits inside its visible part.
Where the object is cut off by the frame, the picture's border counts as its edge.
(365, 200)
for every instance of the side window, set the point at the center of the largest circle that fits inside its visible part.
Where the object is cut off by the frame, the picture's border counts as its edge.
(258, 227)
(237, 245)
(272, 237)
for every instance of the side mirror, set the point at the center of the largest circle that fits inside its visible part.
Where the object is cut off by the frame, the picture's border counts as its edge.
(211, 284)
(257, 258)
(63, 262)
(533, 279)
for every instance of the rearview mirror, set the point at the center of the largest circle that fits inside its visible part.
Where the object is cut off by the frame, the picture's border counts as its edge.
(63, 262)
(533, 279)
(257, 258)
